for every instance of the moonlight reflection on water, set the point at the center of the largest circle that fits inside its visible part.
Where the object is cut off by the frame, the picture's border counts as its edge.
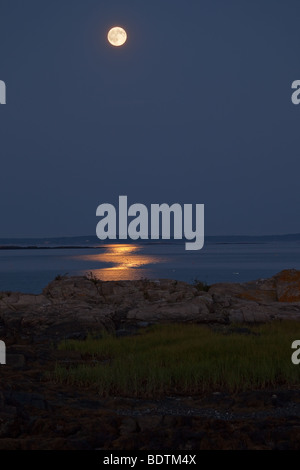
(126, 263)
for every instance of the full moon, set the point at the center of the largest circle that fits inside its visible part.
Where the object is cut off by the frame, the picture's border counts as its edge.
(117, 36)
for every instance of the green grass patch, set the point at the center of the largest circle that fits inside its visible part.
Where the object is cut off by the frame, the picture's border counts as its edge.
(185, 359)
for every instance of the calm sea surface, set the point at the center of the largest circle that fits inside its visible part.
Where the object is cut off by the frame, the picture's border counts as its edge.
(29, 270)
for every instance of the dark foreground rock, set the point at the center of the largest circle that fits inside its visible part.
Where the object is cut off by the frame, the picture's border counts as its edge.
(36, 413)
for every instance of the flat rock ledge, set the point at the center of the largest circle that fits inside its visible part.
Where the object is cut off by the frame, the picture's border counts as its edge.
(73, 306)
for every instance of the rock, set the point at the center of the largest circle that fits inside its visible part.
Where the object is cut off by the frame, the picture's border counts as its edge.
(182, 312)
(16, 361)
(288, 286)
(8, 418)
(146, 423)
(128, 426)
(17, 398)
(72, 307)
(263, 290)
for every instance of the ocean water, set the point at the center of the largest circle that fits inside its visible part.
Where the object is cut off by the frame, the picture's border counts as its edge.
(29, 267)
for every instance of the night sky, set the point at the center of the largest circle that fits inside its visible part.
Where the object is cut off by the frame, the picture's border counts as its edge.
(195, 108)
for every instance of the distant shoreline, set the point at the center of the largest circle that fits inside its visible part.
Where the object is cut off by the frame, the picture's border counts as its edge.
(93, 243)
(113, 242)
(35, 247)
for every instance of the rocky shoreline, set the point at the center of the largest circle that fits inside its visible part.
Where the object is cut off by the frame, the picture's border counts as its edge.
(36, 413)
(72, 306)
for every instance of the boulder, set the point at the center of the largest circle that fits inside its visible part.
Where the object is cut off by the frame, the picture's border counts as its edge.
(287, 284)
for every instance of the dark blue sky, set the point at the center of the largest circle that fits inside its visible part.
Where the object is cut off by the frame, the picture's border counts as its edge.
(195, 108)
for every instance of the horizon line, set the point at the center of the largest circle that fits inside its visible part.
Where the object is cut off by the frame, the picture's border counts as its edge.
(117, 239)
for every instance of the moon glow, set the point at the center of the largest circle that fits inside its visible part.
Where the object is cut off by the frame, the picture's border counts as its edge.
(117, 36)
